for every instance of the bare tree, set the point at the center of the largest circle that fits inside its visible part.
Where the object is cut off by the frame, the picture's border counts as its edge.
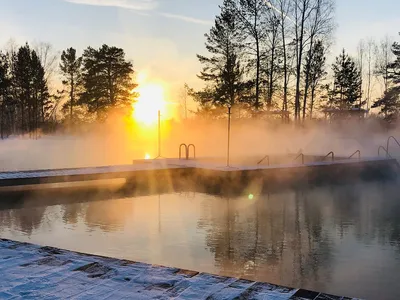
(48, 57)
(361, 54)
(283, 7)
(184, 96)
(273, 39)
(302, 12)
(383, 58)
(252, 17)
(319, 29)
(370, 51)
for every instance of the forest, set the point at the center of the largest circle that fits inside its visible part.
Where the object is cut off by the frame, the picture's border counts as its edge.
(262, 59)
(272, 58)
(92, 84)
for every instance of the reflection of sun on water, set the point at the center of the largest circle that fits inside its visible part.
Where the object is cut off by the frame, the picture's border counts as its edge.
(151, 100)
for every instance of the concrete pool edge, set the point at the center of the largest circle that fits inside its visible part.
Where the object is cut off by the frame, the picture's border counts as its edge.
(169, 169)
(30, 270)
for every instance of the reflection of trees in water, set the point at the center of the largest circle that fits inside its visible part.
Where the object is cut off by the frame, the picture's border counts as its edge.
(380, 211)
(26, 219)
(72, 212)
(289, 238)
(369, 211)
(275, 238)
(108, 215)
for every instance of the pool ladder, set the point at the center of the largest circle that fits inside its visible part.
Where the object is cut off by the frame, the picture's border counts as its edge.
(187, 150)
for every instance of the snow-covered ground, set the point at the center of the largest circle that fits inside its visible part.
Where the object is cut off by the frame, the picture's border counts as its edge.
(33, 272)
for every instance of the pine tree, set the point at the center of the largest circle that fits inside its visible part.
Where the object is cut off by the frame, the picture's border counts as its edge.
(31, 90)
(5, 85)
(70, 67)
(347, 82)
(390, 103)
(222, 71)
(107, 80)
(315, 68)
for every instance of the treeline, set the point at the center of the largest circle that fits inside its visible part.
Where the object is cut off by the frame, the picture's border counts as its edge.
(99, 80)
(271, 57)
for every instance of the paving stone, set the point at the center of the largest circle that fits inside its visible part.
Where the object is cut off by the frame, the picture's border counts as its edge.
(33, 272)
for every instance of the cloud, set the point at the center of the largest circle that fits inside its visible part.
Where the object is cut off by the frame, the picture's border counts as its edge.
(140, 5)
(187, 19)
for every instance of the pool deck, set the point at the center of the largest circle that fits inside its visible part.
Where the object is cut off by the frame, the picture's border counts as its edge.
(145, 167)
(33, 272)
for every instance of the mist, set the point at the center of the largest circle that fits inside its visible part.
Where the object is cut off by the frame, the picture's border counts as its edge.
(118, 142)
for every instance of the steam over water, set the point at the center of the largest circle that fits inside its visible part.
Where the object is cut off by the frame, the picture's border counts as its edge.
(338, 239)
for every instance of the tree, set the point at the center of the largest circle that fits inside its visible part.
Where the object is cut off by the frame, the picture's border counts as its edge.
(41, 102)
(313, 20)
(315, 62)
(70, 67)
(251, 15)
(390, 103)
(222, 71)
(371, 49)
(5, 84)
(318, 29)
(302, 11)
(347, 82)
(273, 54)
(31, 90)
(361, 48)
(384, 56)
(107, 80)
(284, 8)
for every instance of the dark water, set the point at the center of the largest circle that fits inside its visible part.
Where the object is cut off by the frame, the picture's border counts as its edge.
(339, 239)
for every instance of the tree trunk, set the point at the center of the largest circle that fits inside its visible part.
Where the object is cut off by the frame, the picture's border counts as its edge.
(271, 73)
(307, 79)
(312, 101)
(257, 104)
(299, 60)
(285, 71)
(72, 93)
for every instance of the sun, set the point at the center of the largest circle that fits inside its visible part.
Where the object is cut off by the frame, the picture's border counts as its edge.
(151, 100)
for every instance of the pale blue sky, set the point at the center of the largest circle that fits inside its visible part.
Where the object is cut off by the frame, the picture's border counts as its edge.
(162, 37)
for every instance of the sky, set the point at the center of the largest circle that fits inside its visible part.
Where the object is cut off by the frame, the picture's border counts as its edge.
(162, 37)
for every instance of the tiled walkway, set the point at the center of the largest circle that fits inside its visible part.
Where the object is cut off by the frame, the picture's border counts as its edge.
(33, 272)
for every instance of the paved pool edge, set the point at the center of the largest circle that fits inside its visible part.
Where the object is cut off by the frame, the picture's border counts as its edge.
(32, 271)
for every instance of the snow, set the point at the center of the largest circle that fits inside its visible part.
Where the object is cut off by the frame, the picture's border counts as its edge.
(32, 272)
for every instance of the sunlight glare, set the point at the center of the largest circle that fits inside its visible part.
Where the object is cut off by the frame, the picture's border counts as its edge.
(150, 101)
(147, 156)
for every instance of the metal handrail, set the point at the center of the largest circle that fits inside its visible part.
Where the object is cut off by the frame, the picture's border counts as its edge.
(264, 158)
(186, 151)
(388, 141)
(357, 152)
(194, 150)
(329, 154)
(302, 158)
(384, 149)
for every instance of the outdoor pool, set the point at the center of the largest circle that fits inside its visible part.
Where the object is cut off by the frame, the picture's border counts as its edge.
(338, 239)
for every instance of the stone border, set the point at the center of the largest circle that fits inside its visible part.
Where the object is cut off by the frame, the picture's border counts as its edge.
(31, 271)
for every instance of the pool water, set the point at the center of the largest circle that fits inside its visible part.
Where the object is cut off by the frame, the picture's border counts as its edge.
(342, 240)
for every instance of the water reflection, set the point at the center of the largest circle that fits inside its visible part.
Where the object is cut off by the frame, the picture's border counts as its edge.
(338, 239)
(269, 238)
